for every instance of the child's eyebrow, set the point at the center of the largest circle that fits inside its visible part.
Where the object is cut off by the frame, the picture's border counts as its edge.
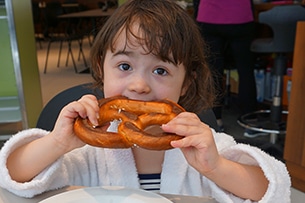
(130, 53)
(122, 52)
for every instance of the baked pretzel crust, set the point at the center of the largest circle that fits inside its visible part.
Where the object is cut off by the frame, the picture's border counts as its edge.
(135, 117)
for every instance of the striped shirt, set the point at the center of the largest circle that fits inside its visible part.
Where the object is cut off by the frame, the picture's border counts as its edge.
(150, 182)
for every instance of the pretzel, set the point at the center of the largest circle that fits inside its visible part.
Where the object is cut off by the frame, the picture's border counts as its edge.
(135, 116)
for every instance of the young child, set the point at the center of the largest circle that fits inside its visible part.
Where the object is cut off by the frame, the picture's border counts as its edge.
(147, 50)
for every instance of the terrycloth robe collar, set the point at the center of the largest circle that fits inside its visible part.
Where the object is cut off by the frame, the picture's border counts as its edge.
(120, 163)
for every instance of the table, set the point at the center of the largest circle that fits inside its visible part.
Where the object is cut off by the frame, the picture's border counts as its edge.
(7, 197)
(93, 14)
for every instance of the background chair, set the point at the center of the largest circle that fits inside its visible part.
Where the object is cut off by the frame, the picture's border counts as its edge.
(50, 112)
(282, 20)
(61, 30)
(77, 26)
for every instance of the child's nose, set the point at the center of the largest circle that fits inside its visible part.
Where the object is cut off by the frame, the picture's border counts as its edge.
(139, 84)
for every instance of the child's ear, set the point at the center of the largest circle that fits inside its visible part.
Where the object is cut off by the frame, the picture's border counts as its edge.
(185, 87)
(183, 90)
(187, 84)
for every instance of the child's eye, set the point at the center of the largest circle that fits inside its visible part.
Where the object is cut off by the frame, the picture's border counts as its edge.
(124, 67)
(160, 71)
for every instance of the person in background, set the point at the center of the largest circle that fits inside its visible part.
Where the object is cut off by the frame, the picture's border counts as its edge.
(227, 26)
(145, 52)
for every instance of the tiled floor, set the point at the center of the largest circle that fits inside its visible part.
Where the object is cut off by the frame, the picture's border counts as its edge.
(58, 79)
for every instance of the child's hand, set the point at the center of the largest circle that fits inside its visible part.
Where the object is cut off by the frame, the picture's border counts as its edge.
(198, 144)
(85, 107)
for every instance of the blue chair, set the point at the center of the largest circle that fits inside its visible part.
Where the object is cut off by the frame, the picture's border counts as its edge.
(282, 20)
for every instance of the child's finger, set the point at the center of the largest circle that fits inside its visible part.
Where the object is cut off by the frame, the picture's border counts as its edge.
(90, 108)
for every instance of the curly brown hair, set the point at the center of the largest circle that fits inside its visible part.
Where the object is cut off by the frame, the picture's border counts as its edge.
(166, 30)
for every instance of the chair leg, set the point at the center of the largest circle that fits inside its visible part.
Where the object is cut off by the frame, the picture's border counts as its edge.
(47, 57)
(90, 40)
(80, 43)
(279, 69)
(70, 52)
(39, 42)
(275, 122)
(81, 52)
(273, 138)
(59, 54)
(67, 58)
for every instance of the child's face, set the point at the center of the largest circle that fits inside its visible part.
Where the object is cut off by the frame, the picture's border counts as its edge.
(133, 73)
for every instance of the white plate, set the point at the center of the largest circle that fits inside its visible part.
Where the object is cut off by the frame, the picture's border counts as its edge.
(106, 195)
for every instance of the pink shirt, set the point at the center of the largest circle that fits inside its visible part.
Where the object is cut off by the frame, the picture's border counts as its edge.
(225, 11)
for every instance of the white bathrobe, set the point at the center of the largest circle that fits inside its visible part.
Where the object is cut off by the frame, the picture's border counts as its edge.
(92, 166)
